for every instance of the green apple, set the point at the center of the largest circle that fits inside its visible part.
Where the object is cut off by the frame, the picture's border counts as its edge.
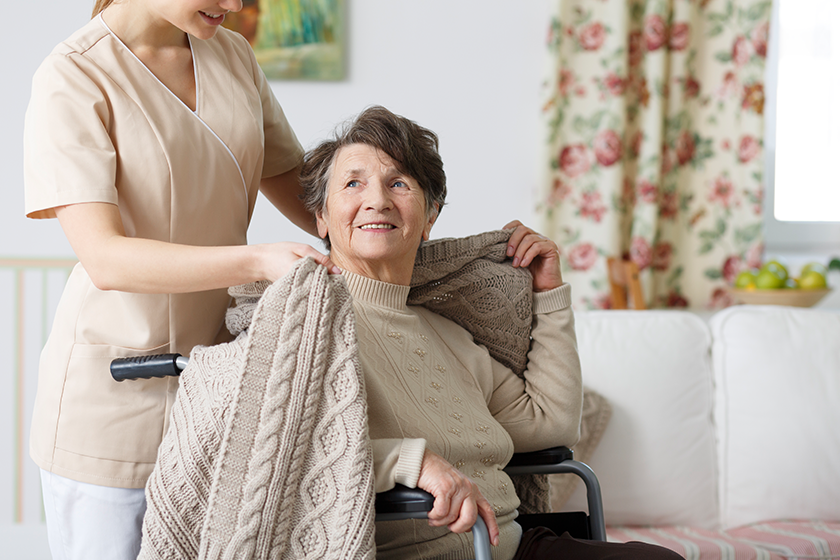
(769, 279)
(819, 267)
(745, 279)
(776, 267)
(812, 280)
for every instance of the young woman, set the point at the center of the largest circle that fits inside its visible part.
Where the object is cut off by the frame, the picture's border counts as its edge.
(149, 134)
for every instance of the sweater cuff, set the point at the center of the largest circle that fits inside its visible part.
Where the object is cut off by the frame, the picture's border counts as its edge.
(553, 300)
(410, 461)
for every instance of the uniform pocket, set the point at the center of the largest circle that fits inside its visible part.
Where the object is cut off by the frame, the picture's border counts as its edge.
(105, 419)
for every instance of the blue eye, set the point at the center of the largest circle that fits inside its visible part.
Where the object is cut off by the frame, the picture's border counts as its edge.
(399, 184)
(352, 184)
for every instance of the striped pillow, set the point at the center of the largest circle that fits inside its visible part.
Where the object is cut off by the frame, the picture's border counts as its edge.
(692, 543)
(793, 540)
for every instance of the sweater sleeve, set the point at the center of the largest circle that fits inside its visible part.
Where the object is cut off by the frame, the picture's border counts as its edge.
(397, 461)
(543, 409)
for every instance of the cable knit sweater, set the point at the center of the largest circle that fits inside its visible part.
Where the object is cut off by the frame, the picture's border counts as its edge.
(429, 385)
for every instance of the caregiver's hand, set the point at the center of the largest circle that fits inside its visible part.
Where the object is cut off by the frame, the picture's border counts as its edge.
(458, 500)
(280, 258)
(537, 252)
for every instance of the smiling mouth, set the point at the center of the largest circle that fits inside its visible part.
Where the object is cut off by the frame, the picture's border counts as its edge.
(378, 226)
(213, 16)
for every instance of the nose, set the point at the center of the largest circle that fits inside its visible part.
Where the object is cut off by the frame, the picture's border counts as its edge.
(378, 196)
(231, 5)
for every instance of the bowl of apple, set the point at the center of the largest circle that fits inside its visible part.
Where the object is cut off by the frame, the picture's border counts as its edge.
(772, 285)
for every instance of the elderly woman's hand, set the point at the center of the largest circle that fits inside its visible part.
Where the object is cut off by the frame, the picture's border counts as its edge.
(537, 252)
(457, 498)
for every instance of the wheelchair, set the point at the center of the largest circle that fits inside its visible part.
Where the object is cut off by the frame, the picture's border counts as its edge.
(413, 503)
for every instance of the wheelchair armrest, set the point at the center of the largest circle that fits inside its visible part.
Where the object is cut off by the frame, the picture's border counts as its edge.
(561, 460)
(550, 456)
(402, 502)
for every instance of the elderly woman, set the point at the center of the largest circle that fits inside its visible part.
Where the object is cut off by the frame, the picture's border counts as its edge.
(444, 415)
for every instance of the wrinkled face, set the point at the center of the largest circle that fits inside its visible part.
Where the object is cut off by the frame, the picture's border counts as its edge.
(375, 215)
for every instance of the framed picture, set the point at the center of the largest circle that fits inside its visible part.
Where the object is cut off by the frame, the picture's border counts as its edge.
(294, 39)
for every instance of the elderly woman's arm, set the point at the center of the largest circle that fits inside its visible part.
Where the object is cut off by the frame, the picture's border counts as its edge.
(458, 501)
(543, 409)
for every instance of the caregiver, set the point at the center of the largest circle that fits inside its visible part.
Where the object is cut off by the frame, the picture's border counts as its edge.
(149, 133)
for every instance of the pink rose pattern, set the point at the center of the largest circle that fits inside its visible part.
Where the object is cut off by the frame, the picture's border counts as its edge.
(748, 148)
(607, 146)
(575, 160)
(723, 192)
(731, 267)
(741, 51)
(592, 207)
(684, 147)
(582, 256)
(700, 172)
(655, 32)
(646, 191)
(592, 36)
(678, 40)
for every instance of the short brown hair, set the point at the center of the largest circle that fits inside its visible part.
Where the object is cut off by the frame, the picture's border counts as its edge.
(413, 148)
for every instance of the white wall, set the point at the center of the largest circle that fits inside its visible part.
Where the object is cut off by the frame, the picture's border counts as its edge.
(468, 69)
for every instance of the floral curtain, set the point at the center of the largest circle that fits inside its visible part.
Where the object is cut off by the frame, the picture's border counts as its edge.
(654, 119)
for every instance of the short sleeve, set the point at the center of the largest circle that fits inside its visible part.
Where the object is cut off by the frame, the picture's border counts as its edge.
(283, 151)
(68, 154)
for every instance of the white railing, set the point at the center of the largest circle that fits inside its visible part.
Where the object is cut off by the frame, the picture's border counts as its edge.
(29, 293)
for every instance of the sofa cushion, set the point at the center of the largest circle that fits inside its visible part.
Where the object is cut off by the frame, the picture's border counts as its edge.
(777, 411)
(693, 543)
(656, 460)
(793, 539)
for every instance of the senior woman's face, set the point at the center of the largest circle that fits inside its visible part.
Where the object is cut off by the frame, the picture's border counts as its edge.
(375, 215)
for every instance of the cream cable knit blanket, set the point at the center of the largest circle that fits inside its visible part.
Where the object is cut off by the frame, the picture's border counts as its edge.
(268, 455)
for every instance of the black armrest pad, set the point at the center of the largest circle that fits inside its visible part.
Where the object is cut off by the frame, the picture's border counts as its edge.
(402, 499)
(550, 456)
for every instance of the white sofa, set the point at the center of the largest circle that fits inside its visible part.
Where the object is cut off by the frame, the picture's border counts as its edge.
(724, 440)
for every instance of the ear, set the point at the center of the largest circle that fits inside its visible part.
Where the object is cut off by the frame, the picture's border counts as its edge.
(432, 217)
(321, 224)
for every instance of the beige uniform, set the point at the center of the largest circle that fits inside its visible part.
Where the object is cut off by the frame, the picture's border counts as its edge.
(101, 128)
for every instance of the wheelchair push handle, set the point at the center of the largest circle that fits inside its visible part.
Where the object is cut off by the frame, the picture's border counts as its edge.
(148, 367)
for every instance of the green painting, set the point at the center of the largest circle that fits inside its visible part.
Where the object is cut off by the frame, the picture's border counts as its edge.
(293, 39)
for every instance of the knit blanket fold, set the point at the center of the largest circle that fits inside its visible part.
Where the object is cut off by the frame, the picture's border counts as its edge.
(268, 454)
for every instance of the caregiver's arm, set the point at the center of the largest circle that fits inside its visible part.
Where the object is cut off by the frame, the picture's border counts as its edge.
(115, 261)
(284, 192)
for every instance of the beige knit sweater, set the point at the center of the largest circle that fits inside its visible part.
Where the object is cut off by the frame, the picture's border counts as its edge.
(268, 455)
(429, 386)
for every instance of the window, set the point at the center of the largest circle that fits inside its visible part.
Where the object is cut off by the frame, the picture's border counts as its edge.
(802, 127)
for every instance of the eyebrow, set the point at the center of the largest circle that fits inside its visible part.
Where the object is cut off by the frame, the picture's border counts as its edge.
(391, 171)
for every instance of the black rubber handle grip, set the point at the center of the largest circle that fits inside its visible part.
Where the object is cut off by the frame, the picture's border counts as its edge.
(145, 367)
(550, 456)
(401, 499)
